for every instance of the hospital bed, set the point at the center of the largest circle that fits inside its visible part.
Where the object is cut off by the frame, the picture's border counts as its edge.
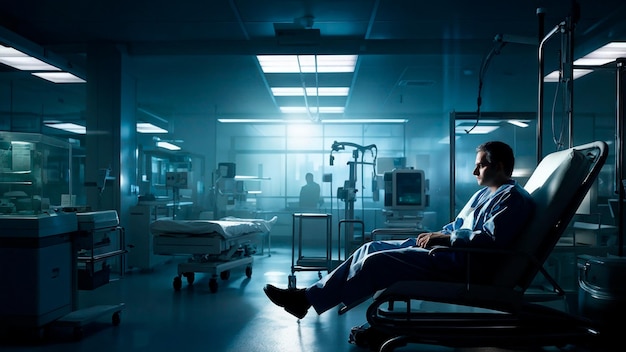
(496, 307)
(214, 246)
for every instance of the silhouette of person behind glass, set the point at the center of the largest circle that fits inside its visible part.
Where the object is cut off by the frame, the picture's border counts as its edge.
(310, 193)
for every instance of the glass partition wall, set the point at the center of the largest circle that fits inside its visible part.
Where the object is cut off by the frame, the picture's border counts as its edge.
(272, 159)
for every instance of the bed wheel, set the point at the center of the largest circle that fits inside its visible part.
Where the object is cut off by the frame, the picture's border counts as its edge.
(213, 285)
(191, 276)
(291, 281)
(116, 318)
(178, 283)
(249, 271)
(225, 275)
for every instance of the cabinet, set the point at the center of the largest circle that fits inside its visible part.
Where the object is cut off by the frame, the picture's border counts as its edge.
(141, 254)
(36, 268)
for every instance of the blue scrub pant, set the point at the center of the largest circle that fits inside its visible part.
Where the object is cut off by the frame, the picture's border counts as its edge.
(375, 266)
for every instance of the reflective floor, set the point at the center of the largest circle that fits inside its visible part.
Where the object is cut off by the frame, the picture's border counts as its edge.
(238, 317)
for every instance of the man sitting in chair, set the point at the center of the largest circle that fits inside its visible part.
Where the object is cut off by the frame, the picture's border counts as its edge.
(494, 215)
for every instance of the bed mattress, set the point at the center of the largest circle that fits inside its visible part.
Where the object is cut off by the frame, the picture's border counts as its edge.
(203, 236)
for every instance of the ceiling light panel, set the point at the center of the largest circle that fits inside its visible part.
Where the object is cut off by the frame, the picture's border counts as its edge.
(17, 59)
(307, 63)
(310, 91)
(554, 75)
(601, 56)
(145, 127)
(476, 130)
(167, 145)
(69, 127)
(59, 77)
(313, 110)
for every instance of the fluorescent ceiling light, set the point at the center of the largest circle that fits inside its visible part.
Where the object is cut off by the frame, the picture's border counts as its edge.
(59, 77)
(313, 110)
(17, 59)
(70, 127)
(601, 56)
(518, 123)
(145, 127)
(480, 129)
(311, 91)
(307, 63)
(307, 121)
(446, 140)
(554, 76)
(365, 121)
(296, 121)
(167, 145)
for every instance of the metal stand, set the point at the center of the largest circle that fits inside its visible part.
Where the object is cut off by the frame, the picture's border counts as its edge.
(309, 263)
(348, 192)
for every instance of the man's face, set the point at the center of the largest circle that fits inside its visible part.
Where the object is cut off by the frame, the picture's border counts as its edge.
(485, 172)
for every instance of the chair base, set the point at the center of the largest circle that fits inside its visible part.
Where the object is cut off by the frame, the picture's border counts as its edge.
(534, 326)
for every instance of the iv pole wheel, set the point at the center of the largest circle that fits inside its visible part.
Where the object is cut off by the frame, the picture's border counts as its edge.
(292, 282)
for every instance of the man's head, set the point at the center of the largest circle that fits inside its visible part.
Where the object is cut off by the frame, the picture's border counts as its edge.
(308, 177)
(494, 163)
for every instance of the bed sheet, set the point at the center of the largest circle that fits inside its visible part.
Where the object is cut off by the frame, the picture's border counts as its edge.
(229, 227)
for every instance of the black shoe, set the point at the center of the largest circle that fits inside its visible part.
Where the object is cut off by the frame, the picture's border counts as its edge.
(293, 300)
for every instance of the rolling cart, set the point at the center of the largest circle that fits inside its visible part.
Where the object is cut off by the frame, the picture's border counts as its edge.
(99, 239)
(302, 262)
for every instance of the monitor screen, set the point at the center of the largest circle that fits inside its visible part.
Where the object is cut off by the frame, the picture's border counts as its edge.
(404, 189)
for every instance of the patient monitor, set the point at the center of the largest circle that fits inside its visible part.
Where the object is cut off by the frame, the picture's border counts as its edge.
(405, 197)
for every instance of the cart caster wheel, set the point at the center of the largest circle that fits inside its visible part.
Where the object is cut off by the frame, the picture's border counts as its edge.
(249, 271)
(225, 275)
(292, 282)
(78, 333)
(178, 283)
(191, 277)
(213, 285)
(116, 318)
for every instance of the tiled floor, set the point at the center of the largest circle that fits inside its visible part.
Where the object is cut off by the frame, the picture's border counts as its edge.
(238, 317)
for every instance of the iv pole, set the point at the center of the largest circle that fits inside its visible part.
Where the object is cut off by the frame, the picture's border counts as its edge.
(348, 192)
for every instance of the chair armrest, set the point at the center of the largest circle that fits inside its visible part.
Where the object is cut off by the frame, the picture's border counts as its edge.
(530, 259)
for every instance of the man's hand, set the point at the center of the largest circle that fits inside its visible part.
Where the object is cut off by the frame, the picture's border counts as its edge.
(428, 239)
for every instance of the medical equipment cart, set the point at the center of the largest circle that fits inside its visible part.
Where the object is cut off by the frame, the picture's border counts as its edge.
(99, 239)
(313, 262)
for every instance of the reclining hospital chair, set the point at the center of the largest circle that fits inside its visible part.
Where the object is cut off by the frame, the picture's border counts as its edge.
(502, 311)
